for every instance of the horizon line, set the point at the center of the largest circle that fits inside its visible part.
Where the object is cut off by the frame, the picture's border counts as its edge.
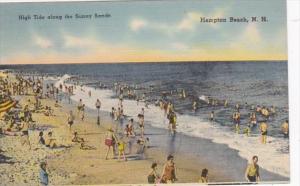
(141, 62)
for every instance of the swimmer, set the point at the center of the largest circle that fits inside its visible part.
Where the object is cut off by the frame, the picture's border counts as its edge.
(264, 131)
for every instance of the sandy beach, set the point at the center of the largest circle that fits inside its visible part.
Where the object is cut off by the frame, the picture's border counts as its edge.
(70, 164)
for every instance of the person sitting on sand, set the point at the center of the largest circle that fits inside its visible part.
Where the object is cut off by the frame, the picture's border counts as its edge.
(84, 146)
(153, 176)
(285, 129)
(56, 104)
(252, 171)
(50, 141)
(76, 138)
(41, 138)
(110, 141)
(264, 131)
(204, 176)
(169, 171)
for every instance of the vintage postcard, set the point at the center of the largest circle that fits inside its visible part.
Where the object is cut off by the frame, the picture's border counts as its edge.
(144, 92)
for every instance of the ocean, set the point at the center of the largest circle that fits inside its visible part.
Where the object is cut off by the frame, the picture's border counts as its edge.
(255, 83)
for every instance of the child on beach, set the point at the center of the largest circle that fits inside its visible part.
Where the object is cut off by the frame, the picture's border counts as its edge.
(153, 176)
(121, 149)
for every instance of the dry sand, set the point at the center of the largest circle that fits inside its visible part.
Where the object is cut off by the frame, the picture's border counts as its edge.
(71, 165)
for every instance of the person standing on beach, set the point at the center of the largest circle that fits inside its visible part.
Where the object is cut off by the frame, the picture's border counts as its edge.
(204, 176)
(70, 119)
(98, 106)
(25, 134)
(252, 171)
(82, 112)
(141, 123)
(264, 132)
(79, 107)
(169, 171)
(44, 181)
(110, 141)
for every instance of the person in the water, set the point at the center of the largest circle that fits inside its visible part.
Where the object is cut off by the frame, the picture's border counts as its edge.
(285, 129)
(264, 132)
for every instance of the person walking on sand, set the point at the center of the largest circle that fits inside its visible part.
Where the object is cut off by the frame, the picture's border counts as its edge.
(153, 176)
(252, 171)
(43, 174)
(169, 171)
(264, 132)
(82, 112)
(204, 176)
(285, 129)
(110, 141)
(70, 119)
(79, 107)
(98, 106)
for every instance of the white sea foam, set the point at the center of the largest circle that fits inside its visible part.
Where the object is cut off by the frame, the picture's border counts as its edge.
(270, 156)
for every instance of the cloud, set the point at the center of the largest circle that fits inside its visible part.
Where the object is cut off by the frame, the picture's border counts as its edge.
(250, 38)
(179, 46)
(137, 24)
(42, 42)
(189, 21)
(71, 41)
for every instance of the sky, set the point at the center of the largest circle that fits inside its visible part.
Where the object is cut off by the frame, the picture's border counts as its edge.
(142, 31)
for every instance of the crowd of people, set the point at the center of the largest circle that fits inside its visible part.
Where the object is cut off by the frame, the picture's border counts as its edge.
(119, 139)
